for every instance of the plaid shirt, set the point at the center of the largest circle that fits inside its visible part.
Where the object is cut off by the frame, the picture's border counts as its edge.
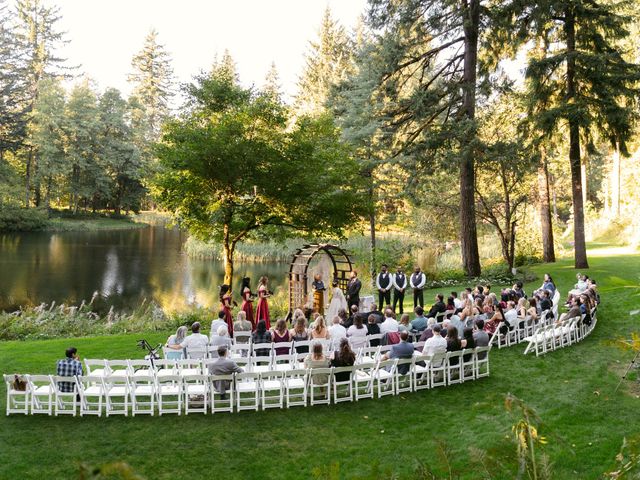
(68, 367)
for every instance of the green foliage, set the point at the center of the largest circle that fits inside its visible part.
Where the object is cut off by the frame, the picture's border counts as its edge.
(18, 219)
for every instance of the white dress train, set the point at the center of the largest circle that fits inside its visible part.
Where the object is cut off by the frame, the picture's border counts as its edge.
(337, 302)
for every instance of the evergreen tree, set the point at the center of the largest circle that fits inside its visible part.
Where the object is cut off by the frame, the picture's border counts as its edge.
(152, 79)
(578, 78)
(272, 85)
(328, 62)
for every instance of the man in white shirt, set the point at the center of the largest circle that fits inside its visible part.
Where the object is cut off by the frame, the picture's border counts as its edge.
(194, 341)
(390, 324)
(217, 323)
(336, 333)
(417, 282)
(384, 283)
(435, 344)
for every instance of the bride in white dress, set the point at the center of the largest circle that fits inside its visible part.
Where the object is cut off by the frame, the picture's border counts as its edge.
(337, 302)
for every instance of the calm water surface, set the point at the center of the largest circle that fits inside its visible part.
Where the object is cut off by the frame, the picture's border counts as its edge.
(123, 266)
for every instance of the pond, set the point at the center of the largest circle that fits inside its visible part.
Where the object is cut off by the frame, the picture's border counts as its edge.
(123, 266)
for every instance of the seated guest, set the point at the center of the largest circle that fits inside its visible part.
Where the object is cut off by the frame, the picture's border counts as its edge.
(319, 330)
(218, 322)
(357, 333)
(376, 313)
(344, 319)
(480, 337)
(317, 360)
(521, 308)
(427, 333)
(532, 311)
(574, 311)
(242, 324)
(261, 335)
(220, 340)
(336, 333)
(438, 307)
(458, 324)
(446, 325)
(488, 306)
(518, 290)
(281, 335)
(373, 329)
(585, 308)
(223, 366)
(458, 302)
(451, 306)
(343, 357)
(195, 340)
(70, 366)
(546, 303)
(435, 344)
(478, 293)
(404, 325)
(477, 306)
(390, 324)
(491, 325)
(453, 343)
(352, 317)
(419, 323)
(511, 314)
(467, 342)
(546, 285)
(404, 349)
(176, 339)
(467, 312)
(299, 334)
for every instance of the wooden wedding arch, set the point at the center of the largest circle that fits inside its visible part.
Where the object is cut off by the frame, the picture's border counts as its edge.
(299, 267)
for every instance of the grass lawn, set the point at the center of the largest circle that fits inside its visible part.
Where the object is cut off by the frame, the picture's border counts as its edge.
(572, 390)
(66, 224)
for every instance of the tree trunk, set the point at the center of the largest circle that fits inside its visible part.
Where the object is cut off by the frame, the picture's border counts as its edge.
(27, 180)
(372, 232)
(580, 248)
(468, 233)
(548, 252)
(228, 250)
(615, 182)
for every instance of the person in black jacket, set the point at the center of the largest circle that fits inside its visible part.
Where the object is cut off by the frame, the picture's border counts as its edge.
(353, 290)
(438, 307)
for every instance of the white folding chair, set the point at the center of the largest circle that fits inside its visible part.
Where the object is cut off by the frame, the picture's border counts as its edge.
(42, 393)
(302, 346)
(384, 377)
(482, 361)
(454, 367)
(343, 389)
(420, 371)
(196, 353)
(140, 368)
(295, 387)
(91, 392)
(271, 390)
(468, 369)
(374, 337)
(404, 375)
(264, 361)
(438, 370)
(363, 380)
(320, 381)
(368, 355)
(96, 368)
(259, 350)
(117, 368)
(280, 347)
(165, 368)
(142, 388)
(239, 350)
(556, 301)
(247, 391)
(189, 367)
(169, 394)
(282, 363)
(172, 354)
(65, 402)
(196, 393)
(241, 337)
(221, 402)
(117, 392)
(17, 400)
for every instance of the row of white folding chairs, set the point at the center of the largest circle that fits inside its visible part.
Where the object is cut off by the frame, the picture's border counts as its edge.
(518, 334)
(561, 334)
(115, 394)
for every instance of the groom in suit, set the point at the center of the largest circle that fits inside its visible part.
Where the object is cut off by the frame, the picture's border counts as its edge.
(353, 290)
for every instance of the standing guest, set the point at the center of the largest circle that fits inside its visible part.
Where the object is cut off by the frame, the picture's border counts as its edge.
(176, 339)
(225, 305)
(262, 309)
(343, 357)
(417, 282)
(195, 340)
(281, 334)
(242, 324)
(247, 301)
(480, 336)
(373, 329)
(453, 344)
(318, 293)
(376, 313)
(438, 306)
(338, 302)
(223, 366)
(336, 333)
(70, 366)
(457, 302)
(419, 323)
(353, 290)
(435, 344)
(218, 322)
(384, 282)
(319, 330)
(427, 333)
(399, 286)
(390, 324)
(404, 325)
(299, 334)
(221, 339)
(404, 349)
(358, 333)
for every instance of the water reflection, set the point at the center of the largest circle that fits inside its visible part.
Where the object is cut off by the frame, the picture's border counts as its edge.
(124, 266)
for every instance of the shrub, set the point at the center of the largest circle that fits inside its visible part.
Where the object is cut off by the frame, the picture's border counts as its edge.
(17, 219)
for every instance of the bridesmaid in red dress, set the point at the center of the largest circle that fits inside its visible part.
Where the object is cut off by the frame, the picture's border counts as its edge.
(262, 309)
(247, 301)
(225, 306)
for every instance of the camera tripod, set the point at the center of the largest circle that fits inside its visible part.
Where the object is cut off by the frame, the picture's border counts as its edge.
(632, 364)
